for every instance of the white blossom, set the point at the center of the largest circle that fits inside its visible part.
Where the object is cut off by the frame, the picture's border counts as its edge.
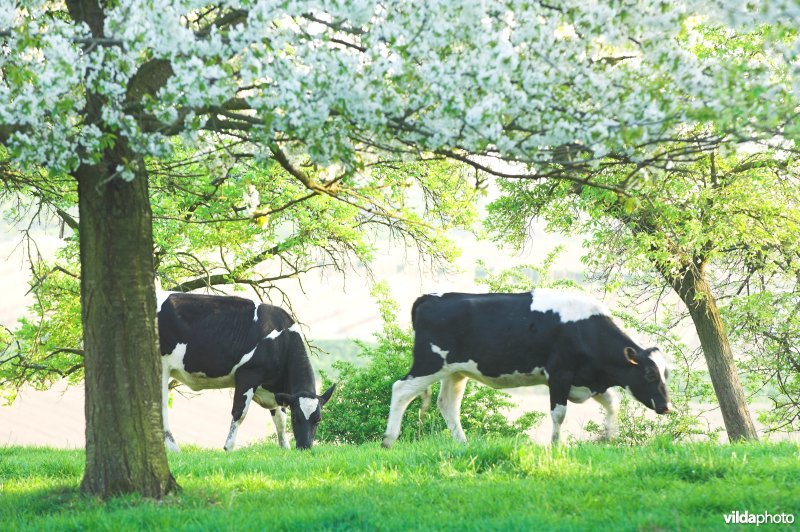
(512, 78)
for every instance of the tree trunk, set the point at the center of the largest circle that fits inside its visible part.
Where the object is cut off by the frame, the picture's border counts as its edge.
(694, 290)
(125, 450)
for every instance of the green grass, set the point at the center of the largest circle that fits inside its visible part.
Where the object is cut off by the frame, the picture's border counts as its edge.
(501, 484)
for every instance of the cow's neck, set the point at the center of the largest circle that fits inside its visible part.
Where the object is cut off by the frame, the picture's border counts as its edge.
(609, 360)
(301, 374)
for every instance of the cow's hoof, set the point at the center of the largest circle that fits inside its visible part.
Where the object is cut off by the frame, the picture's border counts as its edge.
(387, 443)
(227, 449)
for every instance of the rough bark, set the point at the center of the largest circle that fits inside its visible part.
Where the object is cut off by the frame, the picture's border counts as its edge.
(694, 290)
(125, 450)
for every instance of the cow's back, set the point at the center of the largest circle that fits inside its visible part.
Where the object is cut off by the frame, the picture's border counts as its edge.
(216, 331)
(498, 332)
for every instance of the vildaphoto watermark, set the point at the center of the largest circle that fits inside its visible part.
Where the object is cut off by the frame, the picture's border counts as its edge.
(764, 518)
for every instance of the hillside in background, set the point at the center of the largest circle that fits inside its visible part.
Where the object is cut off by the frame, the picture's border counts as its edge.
(334, 310)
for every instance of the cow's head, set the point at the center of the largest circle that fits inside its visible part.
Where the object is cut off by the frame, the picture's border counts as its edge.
(306, 409)
(647, 378)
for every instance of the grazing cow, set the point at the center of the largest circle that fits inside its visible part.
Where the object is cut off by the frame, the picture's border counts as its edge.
(231, 342)
(562, 339)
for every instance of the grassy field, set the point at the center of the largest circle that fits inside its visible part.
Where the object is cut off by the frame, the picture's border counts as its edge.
(433, 484)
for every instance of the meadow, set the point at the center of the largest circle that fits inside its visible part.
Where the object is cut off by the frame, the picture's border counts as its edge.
(493, 484)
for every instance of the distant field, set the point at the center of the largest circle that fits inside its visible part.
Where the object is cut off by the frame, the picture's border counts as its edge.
(434, 484)
(325, 352)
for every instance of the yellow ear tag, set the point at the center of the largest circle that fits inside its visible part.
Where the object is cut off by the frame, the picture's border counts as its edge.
(630, 354)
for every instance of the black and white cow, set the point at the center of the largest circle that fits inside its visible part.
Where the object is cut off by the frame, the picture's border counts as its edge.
(231, 342)
(562, 339)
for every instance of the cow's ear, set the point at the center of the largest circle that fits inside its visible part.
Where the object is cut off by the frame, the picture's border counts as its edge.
(284, 399)
(325, 397)
(630, 354)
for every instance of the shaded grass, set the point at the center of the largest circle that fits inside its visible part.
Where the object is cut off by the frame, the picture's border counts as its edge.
(431, 484)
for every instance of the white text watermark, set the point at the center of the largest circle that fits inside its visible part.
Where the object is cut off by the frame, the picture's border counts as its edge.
(764, 518)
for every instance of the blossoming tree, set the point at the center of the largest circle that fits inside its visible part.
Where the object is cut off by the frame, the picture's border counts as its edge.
(93, 90)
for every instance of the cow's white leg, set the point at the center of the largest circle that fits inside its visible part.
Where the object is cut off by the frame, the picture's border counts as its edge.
(403, 392)
(425, 397)
(449, 402)
(610, 401)
(557, 415)
(241, 402)
(279, 418)
(169, 440)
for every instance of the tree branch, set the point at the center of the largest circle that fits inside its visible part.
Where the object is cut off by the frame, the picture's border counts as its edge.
(148, 79)
(69, 220)
(227, 278)
(228, 19)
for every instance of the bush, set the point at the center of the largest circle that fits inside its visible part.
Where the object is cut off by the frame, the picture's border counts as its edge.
(637, 427)
(358, 411)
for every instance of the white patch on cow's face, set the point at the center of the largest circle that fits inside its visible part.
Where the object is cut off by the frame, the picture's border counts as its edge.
(439, 351)
(570, 306)
(255, 312)
(308, 406)
(274, 334)
(160, 298)
(579, 394)
(661, 363)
